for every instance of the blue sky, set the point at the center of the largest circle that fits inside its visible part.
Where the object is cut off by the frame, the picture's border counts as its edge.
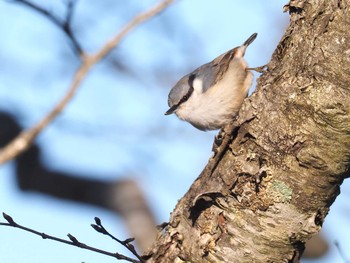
(115, 127)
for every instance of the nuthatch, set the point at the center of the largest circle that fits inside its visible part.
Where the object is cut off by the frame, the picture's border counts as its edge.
(210, 97)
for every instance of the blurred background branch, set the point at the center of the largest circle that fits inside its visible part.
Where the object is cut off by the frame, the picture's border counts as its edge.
(65, 24)
(24, 140)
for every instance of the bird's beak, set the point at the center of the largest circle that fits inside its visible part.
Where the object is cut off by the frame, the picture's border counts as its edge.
(171, 110)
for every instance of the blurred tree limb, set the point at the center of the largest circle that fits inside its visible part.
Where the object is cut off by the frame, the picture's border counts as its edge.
(123, 197)
(65, 24)
(25, 139)
(287, 155)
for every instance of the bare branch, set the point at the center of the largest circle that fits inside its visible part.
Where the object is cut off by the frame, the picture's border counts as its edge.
(126, 243)
(64, 25)
(67, 26)
(73, 240)
(70, 10)
(24, 140)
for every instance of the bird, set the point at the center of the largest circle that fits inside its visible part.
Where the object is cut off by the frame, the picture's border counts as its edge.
(211, 96)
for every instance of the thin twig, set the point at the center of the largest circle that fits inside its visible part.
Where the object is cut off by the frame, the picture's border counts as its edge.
(64, 25)
(70, 10)
(126, 243)
(73, 240)
(25, 138)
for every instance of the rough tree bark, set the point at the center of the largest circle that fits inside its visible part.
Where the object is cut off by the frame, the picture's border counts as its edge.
(288, 153)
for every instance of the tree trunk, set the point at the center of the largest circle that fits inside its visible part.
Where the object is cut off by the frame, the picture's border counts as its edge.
(263, 196)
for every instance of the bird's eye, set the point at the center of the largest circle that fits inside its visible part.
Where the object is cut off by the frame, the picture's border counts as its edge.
(187, 95)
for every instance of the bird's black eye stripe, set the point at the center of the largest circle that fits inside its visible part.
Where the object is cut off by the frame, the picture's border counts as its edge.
(188, 94)
(190, 90)
(191, 79)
